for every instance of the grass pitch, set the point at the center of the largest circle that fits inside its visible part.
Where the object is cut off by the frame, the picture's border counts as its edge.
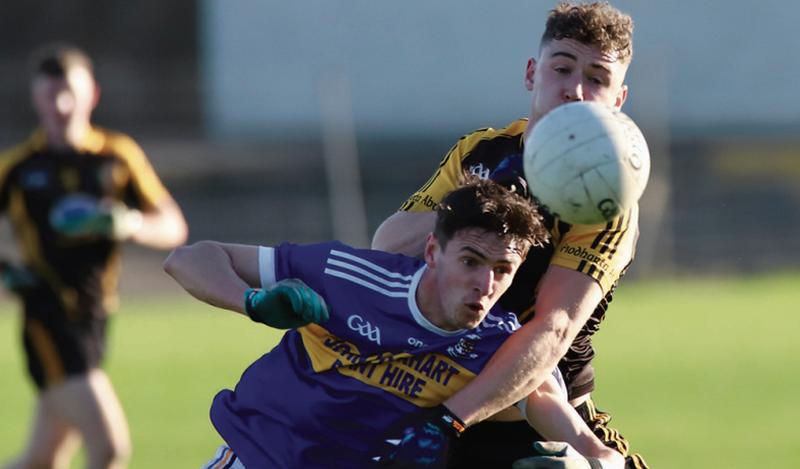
(696, 373)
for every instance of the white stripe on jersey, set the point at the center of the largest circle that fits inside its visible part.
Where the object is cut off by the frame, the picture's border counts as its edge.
(369, 275)
(370, 265)
(365, 283)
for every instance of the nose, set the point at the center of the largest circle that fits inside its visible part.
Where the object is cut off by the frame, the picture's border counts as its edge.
(65, 102)
(484, 281)
(574, 91)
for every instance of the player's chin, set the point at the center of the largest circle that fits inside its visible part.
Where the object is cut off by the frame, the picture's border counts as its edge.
(471, 317)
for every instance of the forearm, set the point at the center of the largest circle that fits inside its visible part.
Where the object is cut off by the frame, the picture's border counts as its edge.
(518, 367)
(206, 272)
(551, 415)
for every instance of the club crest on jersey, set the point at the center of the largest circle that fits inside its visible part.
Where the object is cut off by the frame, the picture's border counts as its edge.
(465, 347)
(364, 328)
(479, 170)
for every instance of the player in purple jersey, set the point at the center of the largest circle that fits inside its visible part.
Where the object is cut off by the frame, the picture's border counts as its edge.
(374, 336)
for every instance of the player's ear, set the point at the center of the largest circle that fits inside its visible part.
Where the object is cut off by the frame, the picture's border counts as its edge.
(96, 96)
(530, 70)
(431, 247)
(622, 95)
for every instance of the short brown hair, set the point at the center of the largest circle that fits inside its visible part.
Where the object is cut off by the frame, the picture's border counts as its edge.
(598, 24)
(54, 60)
(487, 205)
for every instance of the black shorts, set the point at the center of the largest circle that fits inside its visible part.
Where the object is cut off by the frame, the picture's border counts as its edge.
(57, 347)
(497, 445)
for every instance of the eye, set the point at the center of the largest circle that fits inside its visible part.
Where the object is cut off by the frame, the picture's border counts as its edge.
(502, 270)
(562, 70)
(469, 261)
(597, 80)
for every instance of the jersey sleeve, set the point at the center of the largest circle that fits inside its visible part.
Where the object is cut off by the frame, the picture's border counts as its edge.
(445, 179)
(602, 251)
(287, 260)
(146, 186)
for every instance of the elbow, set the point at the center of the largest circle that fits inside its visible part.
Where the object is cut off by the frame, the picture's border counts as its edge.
(558, 329)
(564, 330)
(180, 257)
(174, 260)
(381, 240)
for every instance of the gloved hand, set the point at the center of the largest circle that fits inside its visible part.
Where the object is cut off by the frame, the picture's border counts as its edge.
(422, 439)
(81, 215)
(510, 174)
(17, 279)
(289, 304)
(556, 455)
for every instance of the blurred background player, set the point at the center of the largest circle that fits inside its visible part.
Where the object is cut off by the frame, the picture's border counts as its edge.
(325, 394)
(562, 290)
(73, 192)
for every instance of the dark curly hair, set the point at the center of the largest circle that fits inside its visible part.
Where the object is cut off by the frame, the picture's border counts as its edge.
(598, 24)
(487, 205)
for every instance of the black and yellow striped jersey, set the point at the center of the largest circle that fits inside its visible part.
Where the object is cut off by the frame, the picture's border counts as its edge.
(601, 251)
(80, 273)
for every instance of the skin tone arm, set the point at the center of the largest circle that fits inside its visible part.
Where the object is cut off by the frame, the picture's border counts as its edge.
(566, 300)
(215, 273)
(551, 415)
(404, 233)
(163, 227)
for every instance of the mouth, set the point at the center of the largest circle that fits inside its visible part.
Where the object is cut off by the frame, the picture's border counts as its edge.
(476, 308)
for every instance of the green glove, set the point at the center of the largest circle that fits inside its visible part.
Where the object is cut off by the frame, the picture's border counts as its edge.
(556, 455)
(17, 279)
(81, 215)
(289, 304)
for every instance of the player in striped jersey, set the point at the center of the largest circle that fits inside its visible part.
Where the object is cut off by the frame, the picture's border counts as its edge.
(393, 335)
(563, 289)
(73, 193)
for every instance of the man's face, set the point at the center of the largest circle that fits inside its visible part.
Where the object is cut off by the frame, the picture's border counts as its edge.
(568, 70)
(64, 102)
(471, 274)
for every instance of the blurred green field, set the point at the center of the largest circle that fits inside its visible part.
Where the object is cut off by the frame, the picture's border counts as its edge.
(697, 373)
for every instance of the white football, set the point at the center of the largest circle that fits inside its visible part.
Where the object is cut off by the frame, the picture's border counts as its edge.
(586, 163)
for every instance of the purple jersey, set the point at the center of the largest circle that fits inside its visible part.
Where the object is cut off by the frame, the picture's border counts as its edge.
(326, 393)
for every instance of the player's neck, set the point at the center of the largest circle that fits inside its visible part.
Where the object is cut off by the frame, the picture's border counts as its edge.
(428, 299)
(69, 137)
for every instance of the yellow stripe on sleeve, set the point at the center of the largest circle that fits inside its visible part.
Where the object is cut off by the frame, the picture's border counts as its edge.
(146, 182)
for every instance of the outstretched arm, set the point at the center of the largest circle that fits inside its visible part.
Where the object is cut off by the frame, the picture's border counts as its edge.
(549, 412)
(224, 275)
(216, 273)
(565, 301)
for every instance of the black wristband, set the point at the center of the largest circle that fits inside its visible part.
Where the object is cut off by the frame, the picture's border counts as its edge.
(450, 421)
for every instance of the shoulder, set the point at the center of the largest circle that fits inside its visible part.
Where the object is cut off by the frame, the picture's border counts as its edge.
(12, 156)
(115, 143)
(513, 130)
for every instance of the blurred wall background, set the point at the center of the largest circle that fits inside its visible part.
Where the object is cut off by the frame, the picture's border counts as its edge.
(247, 108)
